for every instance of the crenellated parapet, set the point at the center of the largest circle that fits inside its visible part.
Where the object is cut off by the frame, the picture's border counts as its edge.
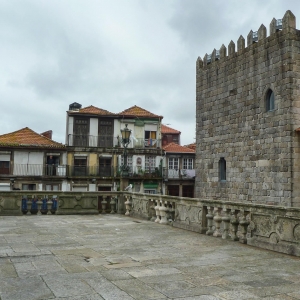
(286, 24)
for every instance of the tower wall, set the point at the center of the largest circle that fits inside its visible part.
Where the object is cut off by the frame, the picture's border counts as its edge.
(260, 147)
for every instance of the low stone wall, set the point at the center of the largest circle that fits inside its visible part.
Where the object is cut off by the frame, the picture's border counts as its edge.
(265, 226)
(67, 202)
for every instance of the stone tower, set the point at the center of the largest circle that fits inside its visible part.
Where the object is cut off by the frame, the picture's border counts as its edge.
(248, 113)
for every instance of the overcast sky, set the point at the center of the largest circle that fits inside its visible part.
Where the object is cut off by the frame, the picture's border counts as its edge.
(114, 54)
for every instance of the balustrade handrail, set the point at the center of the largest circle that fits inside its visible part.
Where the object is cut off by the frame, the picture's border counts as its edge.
(109, 141)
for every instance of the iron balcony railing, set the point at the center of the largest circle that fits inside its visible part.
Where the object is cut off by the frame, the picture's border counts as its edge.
(36, 170)
(91, 171)
(110, 141)
(178, 173)
(79, 171)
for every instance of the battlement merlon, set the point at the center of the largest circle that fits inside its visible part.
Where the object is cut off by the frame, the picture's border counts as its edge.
(286, 24)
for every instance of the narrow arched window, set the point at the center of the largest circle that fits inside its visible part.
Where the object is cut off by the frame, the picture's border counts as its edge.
(222, 169)
(270, 100)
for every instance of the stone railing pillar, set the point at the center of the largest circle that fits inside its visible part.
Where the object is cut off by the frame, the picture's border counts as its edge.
(113, 204)
(163, 213)
(226, 222)
(103, 204)
(127, 205)
(218, 219)
(244, 224)
(152, 210)
(172, 211)
(234, 224)
(157, 220)
(209, 217)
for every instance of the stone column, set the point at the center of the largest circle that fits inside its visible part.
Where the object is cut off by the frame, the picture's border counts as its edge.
(103, 204)
(218, 219)
(226, 222)
(112, 205)
(128, 205)
(157, 211)
(244, 225)
(152, 210)
(209, 217)
(163, 213)
(234, 225)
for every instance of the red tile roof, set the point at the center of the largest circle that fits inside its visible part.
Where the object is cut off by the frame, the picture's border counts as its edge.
(175, 148)
(136, 111)
(93, 110)
(27, 138)
(191, 146)
(166, 129)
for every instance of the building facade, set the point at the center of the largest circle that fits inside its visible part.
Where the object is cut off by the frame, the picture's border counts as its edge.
(179, 170)
(31, 161)
(248, 105)
(95, 149)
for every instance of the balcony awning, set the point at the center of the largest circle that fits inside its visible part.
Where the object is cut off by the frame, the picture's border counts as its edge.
(151, 185)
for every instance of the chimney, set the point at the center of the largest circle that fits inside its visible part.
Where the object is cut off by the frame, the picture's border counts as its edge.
(47, 134)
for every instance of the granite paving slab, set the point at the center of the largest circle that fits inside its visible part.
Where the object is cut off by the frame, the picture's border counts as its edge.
(117, 257)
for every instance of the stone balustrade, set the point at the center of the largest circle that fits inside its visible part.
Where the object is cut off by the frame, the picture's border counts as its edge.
(266, 226)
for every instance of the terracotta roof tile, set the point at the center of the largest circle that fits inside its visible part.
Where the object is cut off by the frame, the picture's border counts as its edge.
(136, 111)
(93, 110)
(191, 146)
(175, 148)
(166, 129)
(27, 138)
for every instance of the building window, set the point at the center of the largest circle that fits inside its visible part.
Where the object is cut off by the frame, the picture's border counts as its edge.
(80, 166)
(52, 187)
(150, 138)
(270, 100)
(188, 164)
(222, 169)
(173, 163)
(129, 161)
(28, 187)
(150, 191)
(150, 164)
(4, 167)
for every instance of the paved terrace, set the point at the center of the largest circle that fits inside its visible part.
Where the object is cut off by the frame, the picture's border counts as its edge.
(116, 257)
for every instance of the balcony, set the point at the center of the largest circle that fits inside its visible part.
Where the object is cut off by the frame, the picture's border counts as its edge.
(34, 170)
(179, 173)
(91, 171)
(109, 141)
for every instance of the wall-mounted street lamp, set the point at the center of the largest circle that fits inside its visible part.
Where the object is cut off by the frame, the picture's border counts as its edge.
(125, 141)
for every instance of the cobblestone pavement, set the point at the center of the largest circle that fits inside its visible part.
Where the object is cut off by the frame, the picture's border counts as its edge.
(116, 257)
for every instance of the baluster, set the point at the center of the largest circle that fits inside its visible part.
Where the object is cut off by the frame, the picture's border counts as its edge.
(244, 224)
(54, 204)
(210, 216)
(127, 205)
(172, 211)
(163, 214)
(218, 219)
(152, 210)
(113, 205)
(234, 225)
(226, 222)
(44, 206)
(34, 206)
(49, 203)
(157, 220)
(103, 204)
(24, 204)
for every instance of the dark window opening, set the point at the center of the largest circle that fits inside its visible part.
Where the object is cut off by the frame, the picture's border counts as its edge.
(4, 167)
(80, 166)
(28, 187)
(270, 101)
(222, 169)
